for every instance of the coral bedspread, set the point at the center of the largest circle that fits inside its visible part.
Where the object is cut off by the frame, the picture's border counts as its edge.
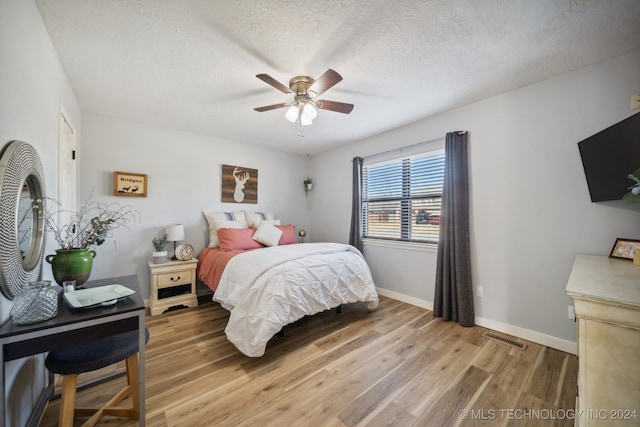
(266, 289)
(211, 264)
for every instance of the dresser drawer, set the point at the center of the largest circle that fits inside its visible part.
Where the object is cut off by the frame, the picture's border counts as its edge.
(176, 278)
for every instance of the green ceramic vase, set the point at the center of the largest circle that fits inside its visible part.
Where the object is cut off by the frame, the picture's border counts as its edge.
(71, 264)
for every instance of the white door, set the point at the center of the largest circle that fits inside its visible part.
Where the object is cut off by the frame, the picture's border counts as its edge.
(66, 167)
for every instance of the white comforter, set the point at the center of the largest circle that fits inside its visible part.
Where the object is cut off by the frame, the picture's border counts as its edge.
(266, 289)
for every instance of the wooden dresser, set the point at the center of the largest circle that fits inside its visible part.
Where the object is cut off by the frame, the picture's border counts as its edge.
(606, 294)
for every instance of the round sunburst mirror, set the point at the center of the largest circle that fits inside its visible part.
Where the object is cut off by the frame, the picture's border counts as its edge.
(22, 195)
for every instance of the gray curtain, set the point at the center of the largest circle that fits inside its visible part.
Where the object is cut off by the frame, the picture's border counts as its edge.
(454, 290)
(355, 234)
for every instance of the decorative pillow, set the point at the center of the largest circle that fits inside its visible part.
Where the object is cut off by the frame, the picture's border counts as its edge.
(267, 234)
(223, 220)
(255, 218)
(237, 239)
(288, 234)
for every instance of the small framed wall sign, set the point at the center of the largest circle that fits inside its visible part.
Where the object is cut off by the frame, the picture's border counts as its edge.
(624, 248)
(239, 184)
(129, 184)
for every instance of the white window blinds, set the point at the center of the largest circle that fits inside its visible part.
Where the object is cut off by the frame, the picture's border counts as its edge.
(401, 196)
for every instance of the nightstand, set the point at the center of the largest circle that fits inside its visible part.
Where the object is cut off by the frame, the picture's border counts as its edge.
(173, 283)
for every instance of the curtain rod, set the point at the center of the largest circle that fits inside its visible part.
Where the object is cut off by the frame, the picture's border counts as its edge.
(406, 147)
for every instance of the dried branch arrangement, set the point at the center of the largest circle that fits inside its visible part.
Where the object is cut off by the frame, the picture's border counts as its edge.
(92, 224)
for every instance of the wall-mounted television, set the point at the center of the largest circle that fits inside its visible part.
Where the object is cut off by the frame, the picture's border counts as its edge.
(609, 156)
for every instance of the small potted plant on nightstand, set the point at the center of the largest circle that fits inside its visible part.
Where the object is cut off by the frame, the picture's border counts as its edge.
(160, 255)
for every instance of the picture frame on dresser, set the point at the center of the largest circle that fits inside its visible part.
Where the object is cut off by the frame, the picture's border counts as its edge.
(624, 248)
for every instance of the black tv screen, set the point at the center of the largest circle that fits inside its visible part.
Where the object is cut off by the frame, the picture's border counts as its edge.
(609, 156)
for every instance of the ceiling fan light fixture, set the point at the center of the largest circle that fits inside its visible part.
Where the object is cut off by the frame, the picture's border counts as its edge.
(309, 111)
(303, 109)
(305, 121)
(292, 113)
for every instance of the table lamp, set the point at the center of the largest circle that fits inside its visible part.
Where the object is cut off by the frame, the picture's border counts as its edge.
(175, 233)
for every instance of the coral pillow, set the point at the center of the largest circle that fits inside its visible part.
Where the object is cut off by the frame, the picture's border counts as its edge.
(223, 220)
(288, 234)
(234, 239)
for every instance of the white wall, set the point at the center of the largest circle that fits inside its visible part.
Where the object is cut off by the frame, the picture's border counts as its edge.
(530, 207)
(184, 172)
(32, 88)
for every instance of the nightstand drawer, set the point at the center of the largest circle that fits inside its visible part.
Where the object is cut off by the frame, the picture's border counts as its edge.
(175, 278)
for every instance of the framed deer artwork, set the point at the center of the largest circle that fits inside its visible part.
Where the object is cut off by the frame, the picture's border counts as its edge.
(129, 184)
(239, 184)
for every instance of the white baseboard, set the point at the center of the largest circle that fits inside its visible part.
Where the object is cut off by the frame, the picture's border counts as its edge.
(517, 331)
(529, 335)
(428, 305)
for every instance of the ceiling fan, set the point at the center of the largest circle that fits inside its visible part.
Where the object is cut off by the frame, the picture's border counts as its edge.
(303, 90)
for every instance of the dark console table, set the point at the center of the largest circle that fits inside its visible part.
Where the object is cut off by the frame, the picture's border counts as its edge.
(72, 326)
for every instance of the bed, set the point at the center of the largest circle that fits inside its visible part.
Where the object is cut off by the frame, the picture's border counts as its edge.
(271, 282)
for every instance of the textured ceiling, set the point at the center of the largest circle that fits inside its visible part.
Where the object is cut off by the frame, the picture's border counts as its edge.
(191, 64)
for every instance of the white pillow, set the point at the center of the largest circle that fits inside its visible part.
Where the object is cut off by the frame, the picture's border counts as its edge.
(255, 218)
(222, 216)
(223, 220)
(267, 234)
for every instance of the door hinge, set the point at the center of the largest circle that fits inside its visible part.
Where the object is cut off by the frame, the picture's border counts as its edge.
(73, 154)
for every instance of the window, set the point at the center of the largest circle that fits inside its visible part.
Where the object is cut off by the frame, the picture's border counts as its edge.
(401, 196)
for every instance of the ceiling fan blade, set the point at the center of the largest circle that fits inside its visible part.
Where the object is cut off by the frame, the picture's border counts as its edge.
(339, 107)
(325, 82)
(273, 82)
(271, 107)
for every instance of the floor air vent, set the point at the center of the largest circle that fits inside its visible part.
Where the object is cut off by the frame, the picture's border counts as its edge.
(504, 340)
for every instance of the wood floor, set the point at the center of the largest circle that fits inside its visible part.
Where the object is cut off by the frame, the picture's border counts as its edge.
(395, 366)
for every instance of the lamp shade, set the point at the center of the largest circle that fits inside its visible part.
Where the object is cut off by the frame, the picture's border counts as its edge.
(304, 120)
(175, 232)
(292, 113)
(309, 111)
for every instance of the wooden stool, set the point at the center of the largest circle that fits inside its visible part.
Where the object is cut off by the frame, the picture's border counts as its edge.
(72, 361)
